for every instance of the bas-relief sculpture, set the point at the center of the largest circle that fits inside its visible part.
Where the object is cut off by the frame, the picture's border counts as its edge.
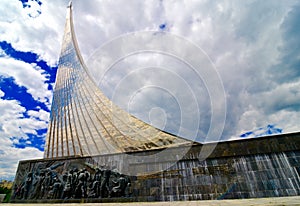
(57, 182)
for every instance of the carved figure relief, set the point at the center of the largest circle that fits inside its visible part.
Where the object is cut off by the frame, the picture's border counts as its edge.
(75, 183)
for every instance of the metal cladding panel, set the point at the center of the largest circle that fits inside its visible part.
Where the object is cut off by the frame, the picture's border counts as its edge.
(84, 122)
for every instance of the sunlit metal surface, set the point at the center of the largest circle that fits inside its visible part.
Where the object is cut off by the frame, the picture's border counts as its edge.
(84, 122)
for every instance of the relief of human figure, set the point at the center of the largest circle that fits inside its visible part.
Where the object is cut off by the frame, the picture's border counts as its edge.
(104, 187)
(67, 185)
(47, 183)
(26, 186)
(74, 180)
(81, 187)
(96, 183)
(56, 189)
(121, 185)
(37, 185)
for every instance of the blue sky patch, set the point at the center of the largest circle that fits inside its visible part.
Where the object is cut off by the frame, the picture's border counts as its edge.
(33, 140)
(30, 57)
(162, 26)
(19, 93)
(270, 129)
(13, 91)
(246, 134)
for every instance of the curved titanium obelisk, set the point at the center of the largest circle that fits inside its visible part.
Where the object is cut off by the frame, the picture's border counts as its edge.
(83, 122)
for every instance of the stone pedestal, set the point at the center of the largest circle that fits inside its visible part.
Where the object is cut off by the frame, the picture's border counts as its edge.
(252, 168)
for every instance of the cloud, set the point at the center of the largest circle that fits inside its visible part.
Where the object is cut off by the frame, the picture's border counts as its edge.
(10, 156)
(1, 94)
(33, 7)
(41, 114)
(34, 80)
(13, 124)
(283, 97)
(41, 35)
(22, 131)
(10, 112)
(287, 67)
(16, 128)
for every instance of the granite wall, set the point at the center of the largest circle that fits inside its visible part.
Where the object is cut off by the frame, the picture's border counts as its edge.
(249, 168)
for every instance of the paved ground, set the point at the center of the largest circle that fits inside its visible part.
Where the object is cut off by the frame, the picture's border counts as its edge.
(289, 201)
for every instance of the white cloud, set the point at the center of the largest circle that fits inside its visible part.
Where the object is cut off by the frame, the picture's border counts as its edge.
(288, 119)
(41, 114)
(33, 8)
(10, 156)
(10, 112)
(27, 75)
(41, 35)
(13, 122)
(285, 96)
(13, 126)
(1, 93)
(279, 105)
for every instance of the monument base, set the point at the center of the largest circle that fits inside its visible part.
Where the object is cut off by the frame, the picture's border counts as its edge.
(251, 168)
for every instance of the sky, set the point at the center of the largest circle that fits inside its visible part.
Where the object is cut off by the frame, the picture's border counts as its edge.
(252, 48)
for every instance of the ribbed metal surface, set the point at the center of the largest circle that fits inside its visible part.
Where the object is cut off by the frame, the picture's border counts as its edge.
(84, 122)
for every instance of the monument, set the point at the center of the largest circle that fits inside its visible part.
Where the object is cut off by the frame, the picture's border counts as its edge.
(84, 122)
(96, 152)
